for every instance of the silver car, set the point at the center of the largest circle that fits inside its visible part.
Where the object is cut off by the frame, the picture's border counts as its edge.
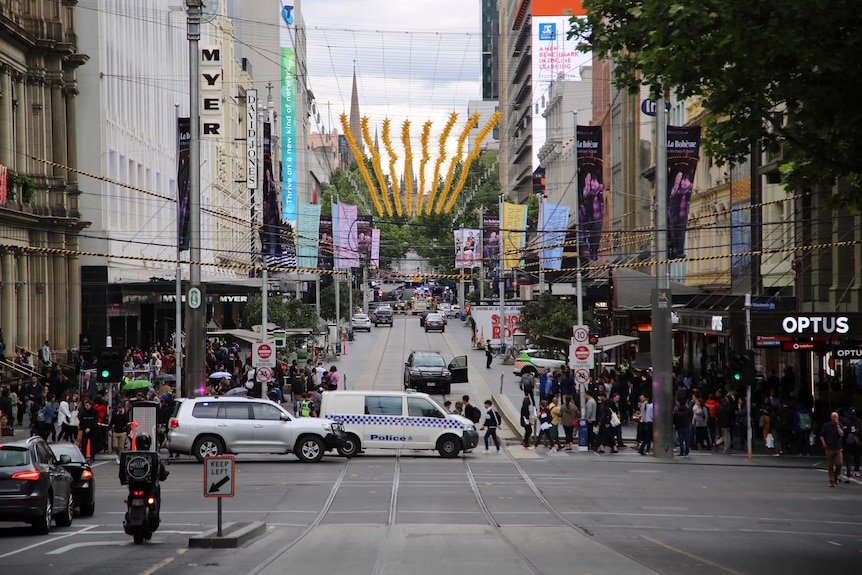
(360, 321)
(207, 426)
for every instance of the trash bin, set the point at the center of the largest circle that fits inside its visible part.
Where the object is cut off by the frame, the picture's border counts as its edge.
(338, 348)
(350, 335)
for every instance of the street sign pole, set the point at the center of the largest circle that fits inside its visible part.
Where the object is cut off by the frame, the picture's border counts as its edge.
(219, 481)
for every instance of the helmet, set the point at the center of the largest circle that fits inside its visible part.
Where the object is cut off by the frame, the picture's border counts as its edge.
(143, 442)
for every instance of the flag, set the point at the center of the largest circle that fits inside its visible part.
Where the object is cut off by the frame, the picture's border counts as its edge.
(514, 234)
(555, 219)
(308, 229)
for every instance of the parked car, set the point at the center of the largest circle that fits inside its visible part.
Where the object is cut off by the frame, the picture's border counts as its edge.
(536, 360)
(205, 426)
(435, 322)
(382, 315)
(427, 370)
(360, 321)
(455, 310)
(34, 487)
(83, 480)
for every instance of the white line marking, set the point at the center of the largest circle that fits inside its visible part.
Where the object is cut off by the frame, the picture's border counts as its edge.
(86, 544)
(47, 541)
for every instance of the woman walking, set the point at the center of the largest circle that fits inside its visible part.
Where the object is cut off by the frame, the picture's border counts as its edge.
(527, 421)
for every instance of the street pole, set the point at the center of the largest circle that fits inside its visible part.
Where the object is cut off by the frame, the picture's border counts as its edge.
(540, 237)
(461, 274)
(661, 337)
(748, 384)
(501, 283)
(482, 259)
(196, 311)
(178, 306)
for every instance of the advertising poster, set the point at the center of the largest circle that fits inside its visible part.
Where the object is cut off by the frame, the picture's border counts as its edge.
(183, 182)
(375, 248)
(555, 57)
(288, 119)
(364, 226)
(591, 199)
(514, 234)
(4, 179)
(555, 219)
(466, 245)
(347, 240)
(489, 326)
(325, 259)
(269, 233)
(491, 242)
(683, 148)
(308, 228)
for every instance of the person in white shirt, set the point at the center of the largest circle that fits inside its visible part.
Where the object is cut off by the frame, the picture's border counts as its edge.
(646, 409)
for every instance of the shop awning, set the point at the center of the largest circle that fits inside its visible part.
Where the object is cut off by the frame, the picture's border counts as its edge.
(612, 341)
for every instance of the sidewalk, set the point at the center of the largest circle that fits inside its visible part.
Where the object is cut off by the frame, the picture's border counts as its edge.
(509, 399)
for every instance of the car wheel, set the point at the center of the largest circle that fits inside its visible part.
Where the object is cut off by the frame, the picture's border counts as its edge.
(42, 526)
(207, 446)
(449, 446)
(351, 446)
(443, 330)
(65, 518)
(139, 538)
(309, 449)
(426, 330)
(447, 390)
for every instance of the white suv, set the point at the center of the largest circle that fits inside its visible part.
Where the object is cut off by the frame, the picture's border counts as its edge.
(206, 426)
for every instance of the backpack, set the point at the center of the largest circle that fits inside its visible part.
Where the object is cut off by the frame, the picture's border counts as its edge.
(495, 417)
(473, 413)
(527, 382)
(805, 421)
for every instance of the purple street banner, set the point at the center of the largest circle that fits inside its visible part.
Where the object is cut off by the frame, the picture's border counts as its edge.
(553, 234)
(184, 134)
(466, 246)
(348, 239)
(490, 241)
(591, 200)
(683, 148)
(307, 229)
(375, 248)
(325, 259)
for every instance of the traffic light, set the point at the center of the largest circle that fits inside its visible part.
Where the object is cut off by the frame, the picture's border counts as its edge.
(594, 340)
(742, 369)
(111, 365)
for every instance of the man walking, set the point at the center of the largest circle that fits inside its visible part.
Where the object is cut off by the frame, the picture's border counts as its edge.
(832, 438)
(492, 421)
(646, 409)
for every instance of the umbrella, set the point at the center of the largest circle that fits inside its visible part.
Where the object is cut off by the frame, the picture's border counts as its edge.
(237, 391)
(220, 374)
(165, 377)
(137, 384)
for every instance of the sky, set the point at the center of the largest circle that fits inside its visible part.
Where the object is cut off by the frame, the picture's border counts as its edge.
(414, 59)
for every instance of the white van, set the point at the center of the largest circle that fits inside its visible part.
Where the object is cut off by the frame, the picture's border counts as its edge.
(397, 420)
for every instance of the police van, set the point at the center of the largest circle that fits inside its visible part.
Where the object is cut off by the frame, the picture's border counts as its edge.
(397, 420)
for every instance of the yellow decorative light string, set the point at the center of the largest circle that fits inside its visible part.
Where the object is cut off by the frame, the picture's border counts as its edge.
(360, 160)
(426, 132)
(477, 149)
(375, 163)
(396, 189)
(408, 170)
(440, 159)
(454, 161)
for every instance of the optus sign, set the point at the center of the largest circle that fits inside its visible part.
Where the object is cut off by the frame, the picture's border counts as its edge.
(815, 325)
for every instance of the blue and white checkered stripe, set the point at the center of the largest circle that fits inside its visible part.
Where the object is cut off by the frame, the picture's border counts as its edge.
(396, 420)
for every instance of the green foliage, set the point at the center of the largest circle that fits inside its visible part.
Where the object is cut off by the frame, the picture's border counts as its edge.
(784, 72)
(27, 185)
(287, 314)
(551, 316)
(327, 300)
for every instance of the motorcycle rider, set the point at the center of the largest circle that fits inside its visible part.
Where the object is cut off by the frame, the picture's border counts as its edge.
(144, 443)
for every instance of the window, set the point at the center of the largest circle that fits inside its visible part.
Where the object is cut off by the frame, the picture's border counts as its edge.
(205, 411)
(266, 412)
(382, 405)
(421, 407)
(14, 457)
(233, 410)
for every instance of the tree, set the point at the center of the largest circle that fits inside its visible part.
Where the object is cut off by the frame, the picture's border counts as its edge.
(549, 320)
(327, 300)
(784, 72)
(291, 313)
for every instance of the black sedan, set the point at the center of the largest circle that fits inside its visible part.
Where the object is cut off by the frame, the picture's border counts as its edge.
(34, 487)
(83, 482)
(435, 321)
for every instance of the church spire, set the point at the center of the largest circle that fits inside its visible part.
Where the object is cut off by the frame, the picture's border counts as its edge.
(355, 119)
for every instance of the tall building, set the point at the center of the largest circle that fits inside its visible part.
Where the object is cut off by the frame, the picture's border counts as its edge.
(40, 197)
(490, 50)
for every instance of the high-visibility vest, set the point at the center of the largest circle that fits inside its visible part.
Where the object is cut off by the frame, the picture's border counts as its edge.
(305, 408)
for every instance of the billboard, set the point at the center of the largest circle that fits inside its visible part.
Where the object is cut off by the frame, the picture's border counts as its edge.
(491, 242)
(489, 326)
(555, 57)
(514, 234)
(288, 118)
(466, 248)
(307, 229)
(683, 149)
(555, 220)
(325, 259)
(591, 199)
(184, 134)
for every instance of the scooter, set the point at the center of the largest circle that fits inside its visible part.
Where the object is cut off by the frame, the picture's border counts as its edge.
(142, 515)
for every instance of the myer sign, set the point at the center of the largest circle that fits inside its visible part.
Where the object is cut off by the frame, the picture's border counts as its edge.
(815, 325)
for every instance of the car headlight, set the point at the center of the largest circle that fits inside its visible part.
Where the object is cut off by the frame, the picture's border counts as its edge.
(415, 373)
(446, 373)
(469, 428)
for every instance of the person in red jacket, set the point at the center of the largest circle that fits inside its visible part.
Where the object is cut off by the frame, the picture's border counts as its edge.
(101, 407)
(712, 406)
